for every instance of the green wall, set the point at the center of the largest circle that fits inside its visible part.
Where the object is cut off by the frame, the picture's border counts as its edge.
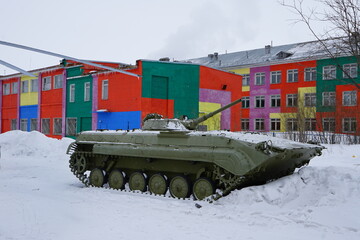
(175, 81)
(330, 85)
(79, 109)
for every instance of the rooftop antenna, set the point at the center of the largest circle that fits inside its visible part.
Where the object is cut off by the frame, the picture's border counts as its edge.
(65, 57)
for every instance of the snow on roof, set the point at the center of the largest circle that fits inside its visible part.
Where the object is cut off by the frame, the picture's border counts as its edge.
(268, 55)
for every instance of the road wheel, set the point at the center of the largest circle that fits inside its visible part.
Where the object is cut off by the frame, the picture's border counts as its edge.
(116, 179)
(97, 177)
(179, 187)
(202, 188)
(158, 184)
(137, 181)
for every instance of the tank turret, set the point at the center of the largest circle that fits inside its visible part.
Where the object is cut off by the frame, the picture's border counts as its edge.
(177, 125)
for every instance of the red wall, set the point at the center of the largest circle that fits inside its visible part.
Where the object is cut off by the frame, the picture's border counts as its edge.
(215, 79)
(9, 107)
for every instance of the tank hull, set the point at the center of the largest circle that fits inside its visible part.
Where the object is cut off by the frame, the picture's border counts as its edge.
(227, 160)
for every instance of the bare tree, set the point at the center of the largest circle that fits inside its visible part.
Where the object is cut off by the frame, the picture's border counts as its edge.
(343, 36)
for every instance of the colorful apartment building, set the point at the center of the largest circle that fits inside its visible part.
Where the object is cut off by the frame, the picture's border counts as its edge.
(69, 98)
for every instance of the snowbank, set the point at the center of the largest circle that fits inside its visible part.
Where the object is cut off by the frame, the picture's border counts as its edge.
(41, 199)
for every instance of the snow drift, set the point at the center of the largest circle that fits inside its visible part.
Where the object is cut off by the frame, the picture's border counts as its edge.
(41, 199)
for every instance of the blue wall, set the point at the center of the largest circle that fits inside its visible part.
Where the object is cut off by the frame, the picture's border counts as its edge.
(119, 120)
(28, 112)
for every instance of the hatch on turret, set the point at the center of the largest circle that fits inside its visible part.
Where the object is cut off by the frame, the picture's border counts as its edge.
(173, 125)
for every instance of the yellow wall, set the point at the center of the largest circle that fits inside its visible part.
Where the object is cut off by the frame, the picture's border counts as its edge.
(283, 117)
(243, 71)
(214, 122)
(306, 112)
(29, 98)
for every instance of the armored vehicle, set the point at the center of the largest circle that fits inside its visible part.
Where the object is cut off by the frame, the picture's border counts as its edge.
(168, 154)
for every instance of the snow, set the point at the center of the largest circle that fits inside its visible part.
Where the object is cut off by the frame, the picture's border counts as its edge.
(41, 199)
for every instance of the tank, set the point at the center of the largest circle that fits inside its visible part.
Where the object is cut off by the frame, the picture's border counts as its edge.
(169, 155)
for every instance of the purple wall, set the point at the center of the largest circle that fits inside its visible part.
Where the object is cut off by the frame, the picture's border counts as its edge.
(262, 90)
(95, 102)
(217, 96)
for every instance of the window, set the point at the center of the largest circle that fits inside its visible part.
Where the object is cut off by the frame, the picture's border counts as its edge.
(33, 124)
(329, 124)
(57, 126)
(87, 91)
(349, 124)
(245, 102)
(310, 99)
(328, 98)
(13, 124)
(25, 86)
(246, 79)
(46, 83)
(6, 89)
(350, 70)
(259, 124)
(72, 93)
(310, 124)
(245, 124)
(105, 90)
(291, 124)
(71, 126)
(329, 72)
(260, 101)
(349, 98)
(45, 126)
(58, 79)
(291, 100)
(292, 75)
(34, 85)
(259, 78)
(275, 100)
(23, 124)
(14, 87)
(275, 77)
(310, 74)
(275, 124)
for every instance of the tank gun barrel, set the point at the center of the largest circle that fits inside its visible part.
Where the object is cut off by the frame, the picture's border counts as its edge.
(192, 124)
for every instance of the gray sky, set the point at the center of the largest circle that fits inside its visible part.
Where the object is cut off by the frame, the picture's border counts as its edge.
(124, 31)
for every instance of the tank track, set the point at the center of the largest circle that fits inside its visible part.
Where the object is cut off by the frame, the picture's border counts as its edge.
(230, 183)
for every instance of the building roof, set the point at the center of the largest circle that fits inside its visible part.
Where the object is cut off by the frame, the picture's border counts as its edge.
(264, 56)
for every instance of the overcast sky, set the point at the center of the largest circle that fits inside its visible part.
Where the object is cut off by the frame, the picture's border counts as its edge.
(124, 31)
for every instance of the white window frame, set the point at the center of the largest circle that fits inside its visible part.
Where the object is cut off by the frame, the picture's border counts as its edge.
(259, 124)
(328, 124)
(24, 124)
(349, 98)
(292, 75)
(34, 85)
(293, 98)
(275, 77)
(57, 126)
(68, 133)
(245, 102)
(45, 122)
(25, 86)
(105, 89)
(6, 89)
(309, 99)
(351, 121)
(72, 92)
(310, 74)
(275, 124)
(294, 124)
(14, 87)
(245, 80)
(259, 101)
(310, 124)
(259, 78)
(275, 100)
(87, 91)
(33, 124)
(350, 70)
(245, 124)
(58, 81)
(46, 83)
(329, 72)
(328, 99)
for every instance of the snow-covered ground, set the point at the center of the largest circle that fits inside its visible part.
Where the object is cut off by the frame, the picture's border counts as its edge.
(41, 199)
